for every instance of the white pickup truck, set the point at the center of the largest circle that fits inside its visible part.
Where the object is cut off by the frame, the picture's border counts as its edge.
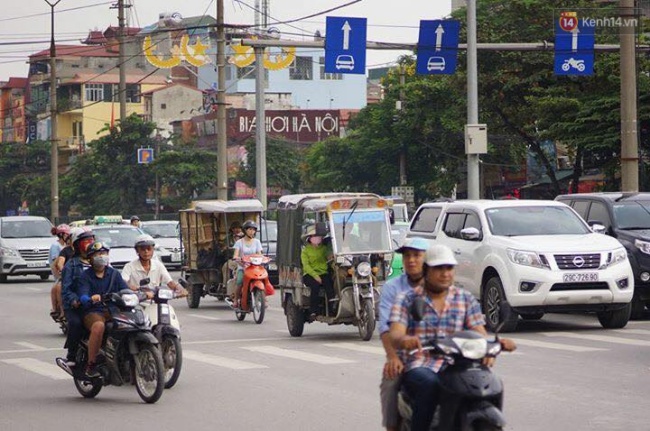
(539, 256)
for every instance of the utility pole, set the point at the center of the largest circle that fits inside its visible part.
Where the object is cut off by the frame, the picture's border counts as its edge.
(629, 138)
(54, 165)
(121, 39)
(473, 170)
(222, 141)
(402, 153)
(260, 127)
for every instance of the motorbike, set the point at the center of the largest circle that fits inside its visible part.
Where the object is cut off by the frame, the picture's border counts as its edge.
(573, 63)
(129, 352)
(255, 288)
(471, 395)
(166, 329)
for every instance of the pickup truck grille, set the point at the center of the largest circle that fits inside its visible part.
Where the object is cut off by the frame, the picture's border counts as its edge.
(579, 286)
(577, 261)
(34, 254)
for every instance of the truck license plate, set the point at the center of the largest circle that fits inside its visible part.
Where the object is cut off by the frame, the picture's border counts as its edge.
(581, 277)
(36, 264)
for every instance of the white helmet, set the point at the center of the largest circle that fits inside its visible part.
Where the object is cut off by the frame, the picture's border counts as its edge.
(144, 240)
(78, 233)
(440, 255)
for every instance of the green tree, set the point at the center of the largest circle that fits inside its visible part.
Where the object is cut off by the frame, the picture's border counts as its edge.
(283, 164)
(25, 176)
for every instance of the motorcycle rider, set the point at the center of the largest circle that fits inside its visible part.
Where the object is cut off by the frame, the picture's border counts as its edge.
(74, 267)
(412, 251)
(93, 283)
(245, 246)
(135, 221)
(62, 233)
(449, 309)
(146, 267)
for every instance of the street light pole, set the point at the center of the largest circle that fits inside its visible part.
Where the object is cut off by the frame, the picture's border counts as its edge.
(54, 164)
(473, 170)
(629, 137)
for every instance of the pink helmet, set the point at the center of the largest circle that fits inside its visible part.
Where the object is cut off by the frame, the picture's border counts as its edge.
(63, 228)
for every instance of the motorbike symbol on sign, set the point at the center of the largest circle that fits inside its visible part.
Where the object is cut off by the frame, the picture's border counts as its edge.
(573, 63)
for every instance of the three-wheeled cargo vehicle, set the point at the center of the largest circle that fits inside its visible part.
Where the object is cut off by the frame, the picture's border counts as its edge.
(356, 227)
(207, 243)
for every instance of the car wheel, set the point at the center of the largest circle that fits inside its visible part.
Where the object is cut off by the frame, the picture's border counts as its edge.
(496, 315)
(615, 319)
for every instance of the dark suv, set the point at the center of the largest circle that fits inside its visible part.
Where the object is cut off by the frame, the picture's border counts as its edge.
(626, 217)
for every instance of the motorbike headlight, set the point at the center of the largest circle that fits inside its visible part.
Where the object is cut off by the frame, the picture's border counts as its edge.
(527, 258)
(130, 299)
(644, 246)
(494, 349)
(9, 252)
(472, 348)
(364, 269)
(620, 254)
(165, 294)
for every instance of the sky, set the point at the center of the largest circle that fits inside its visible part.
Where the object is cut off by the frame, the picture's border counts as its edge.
(29, 21)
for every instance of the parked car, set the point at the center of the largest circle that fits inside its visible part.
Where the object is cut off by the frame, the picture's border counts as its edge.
(269, 240)
(538, 256)
(398, 231)
(167, 234)
(626, 217)
(24, 246)
(121, 239)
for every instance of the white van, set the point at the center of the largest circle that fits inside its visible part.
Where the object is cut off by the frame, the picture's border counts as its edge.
(24, 246)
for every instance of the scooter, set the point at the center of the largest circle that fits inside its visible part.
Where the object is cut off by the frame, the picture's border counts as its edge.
(129, 352)
(471, 395)
(166, 328)
(255, 288)
(573, 63)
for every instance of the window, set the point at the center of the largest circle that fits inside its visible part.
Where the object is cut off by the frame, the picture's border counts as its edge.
(248, 72)
(132, 93)
(425, 220)
(453, 224)
(327, 76)
(581, 208)
(94, 92)
(599, 213)
(301, 69)
(163, 106)
(472, 220)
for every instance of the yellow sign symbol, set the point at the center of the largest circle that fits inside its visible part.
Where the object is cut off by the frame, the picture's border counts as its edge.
(193, 54)
(245, 56)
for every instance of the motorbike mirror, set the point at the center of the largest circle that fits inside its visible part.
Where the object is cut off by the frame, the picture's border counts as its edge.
(144, 281)
(417, 308)
(183, 282)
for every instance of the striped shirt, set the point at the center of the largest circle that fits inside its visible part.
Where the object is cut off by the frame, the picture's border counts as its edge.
(461, 312)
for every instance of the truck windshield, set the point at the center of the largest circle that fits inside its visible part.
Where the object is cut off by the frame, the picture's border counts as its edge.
(632, 215)
(365, 231)
(534, 220)
(26, 229)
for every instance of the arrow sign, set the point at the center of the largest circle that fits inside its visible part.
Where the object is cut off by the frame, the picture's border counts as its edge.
(346, 35)
(345, 45)
(574, 46)
(574, 39)
(439, 32)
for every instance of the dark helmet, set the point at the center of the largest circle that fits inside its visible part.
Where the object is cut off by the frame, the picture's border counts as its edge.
(96, 247)
(135, 217)
(248, 224)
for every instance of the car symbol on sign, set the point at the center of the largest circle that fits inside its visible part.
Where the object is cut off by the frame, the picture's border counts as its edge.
(436, 63)
(344, 62)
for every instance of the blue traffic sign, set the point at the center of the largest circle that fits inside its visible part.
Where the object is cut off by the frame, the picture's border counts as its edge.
(437, 47)
(345, 45)
(574, 46)
(145, 155)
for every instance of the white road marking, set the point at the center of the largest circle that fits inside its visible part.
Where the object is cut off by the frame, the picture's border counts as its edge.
(220, 361)
(34, 289)
(556, 346)
(299, 355)
(237, 340)
(358, 348)
(5, 352)
(29, 345)
(39, 367)
(603, 338)
(201, 316)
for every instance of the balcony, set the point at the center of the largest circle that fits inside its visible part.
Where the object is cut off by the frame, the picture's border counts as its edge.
(72, 143)
(66, 105)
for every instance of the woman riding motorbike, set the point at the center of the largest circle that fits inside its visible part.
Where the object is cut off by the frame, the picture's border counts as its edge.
(245, 246)
(62, 233)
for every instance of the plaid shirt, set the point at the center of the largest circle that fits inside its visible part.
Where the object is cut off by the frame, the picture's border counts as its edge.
(462, 311)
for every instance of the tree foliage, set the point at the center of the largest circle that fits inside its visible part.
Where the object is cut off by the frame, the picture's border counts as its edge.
(283, 164)
(24, 176)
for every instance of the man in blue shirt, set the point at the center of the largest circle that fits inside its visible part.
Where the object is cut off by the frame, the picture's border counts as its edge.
(413, 252)
(96, 281)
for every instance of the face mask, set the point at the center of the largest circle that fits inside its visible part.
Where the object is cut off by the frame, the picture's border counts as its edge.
(316, 240)
(99, 262)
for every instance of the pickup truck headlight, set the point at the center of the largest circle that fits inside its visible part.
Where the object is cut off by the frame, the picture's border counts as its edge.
(9, 252)
(644, 246)
(527, 258)
(620, 254)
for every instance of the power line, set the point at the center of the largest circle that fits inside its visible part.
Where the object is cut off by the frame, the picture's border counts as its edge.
(15, 18)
